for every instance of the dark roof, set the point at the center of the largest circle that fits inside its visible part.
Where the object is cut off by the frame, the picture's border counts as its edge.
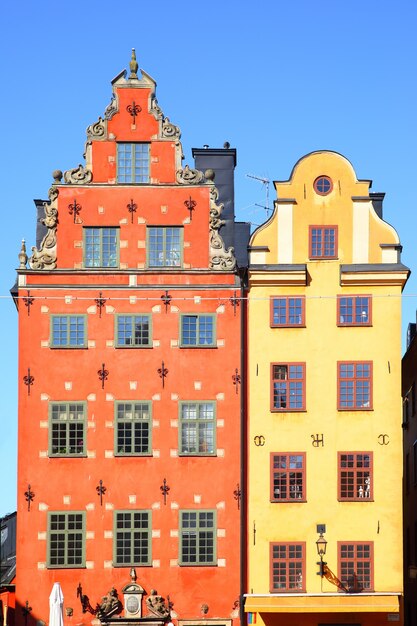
(8, 549)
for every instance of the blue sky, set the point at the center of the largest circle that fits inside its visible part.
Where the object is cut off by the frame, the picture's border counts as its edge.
(276, 79)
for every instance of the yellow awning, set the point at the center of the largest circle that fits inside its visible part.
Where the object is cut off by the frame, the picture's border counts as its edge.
(323, 603)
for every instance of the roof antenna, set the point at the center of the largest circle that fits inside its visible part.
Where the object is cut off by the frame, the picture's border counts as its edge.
(133, 65)
(264, 181)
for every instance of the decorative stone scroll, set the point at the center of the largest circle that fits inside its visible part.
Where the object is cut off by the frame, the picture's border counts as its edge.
(98, 130)
(170, 130)
(112, 108)
(220, 258)
(78, 176)
(156, 110)
(44, 258)
(188, 176)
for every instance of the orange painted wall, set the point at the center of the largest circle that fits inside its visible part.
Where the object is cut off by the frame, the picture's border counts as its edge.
(69, 484)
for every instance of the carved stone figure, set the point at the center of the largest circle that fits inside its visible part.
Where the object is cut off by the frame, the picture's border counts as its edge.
(78, 176)
(220, 258)
(109, 605)
(45, 257)
(188, 176)
(156, 604)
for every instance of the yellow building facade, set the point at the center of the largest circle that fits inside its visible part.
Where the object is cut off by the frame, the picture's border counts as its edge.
(324, 404)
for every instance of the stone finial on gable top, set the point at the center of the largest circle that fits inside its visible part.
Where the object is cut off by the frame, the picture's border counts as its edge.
(133, 65)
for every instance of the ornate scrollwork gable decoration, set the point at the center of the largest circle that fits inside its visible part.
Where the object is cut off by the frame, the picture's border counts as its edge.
(98, 130)
(155, 109)
(188, 176)
(78, 176)
(44, 258)
(170, 131)
(112, 108)
(220, 258)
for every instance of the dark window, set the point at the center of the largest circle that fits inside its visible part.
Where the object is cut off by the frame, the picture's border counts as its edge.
(133, 428)
(287, 386)
(356, 566)
(355, 476)
(67, 429)
(66, 533)
(355, 385)
(287, 567)
(323, 242)
(198, 537)
(287, 477)
(287, 311)
(132, 538)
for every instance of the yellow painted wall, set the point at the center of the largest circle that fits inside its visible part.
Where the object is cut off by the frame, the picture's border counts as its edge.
(320, 345)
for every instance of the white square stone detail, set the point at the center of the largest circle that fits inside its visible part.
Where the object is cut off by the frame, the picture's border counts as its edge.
(43, 424)
(186, 220)
(156, 396)
(220, 309)
(66, 499)
(221, 562)
(132, 499)
(78, 244)
(156, 505)
(89, 564)
(221, 505)
(220, 396)
(91, 343)
(174, 505)
(91, 424)
(90, 534)
(100, 209)
(156, 533)
(174, 423)
(174, 343)
(156, 308)
(156, 343)
(123, 243)
(187, 244)
(44, 396)
(111, 181)
(41, 565)
(109, 397)
(173, 562)
(187, 266)
(91, 397)
(164, 208)
(92, 310)
(220, 343)
(221, 532)
(91, 454)
(133, 384)
(197, 498)
(173, 453)
(174, 396)
(21, 280)
(141, 244)
(174, 309)
(133, 281)
(109, 308)
(108, 454)
(132, 299)
(123, 266)
(155, 159)
(197, 385)
(90, 506)
(123, 220)
(42, 506)
(109, 343)
(141, 220)
(112, 158)
(43, 454)
(42, 536)
(156, 453)
(220, 423)
(78, 266)
(220, 452)
(173, 532)
(44, 309)
(44, 343)
(156, 563)
(68, 385)
(140, 266)
(109, 506)
(68, 299)
(155, 423)
(107, 565)
(197, 299)
(108, 534)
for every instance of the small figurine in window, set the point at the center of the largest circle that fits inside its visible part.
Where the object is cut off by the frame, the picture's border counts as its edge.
(360, 491)
(367, 487)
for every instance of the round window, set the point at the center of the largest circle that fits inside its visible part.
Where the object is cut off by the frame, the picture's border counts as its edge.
(323, 185)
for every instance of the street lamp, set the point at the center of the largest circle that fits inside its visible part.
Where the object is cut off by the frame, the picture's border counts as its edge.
(321, 544)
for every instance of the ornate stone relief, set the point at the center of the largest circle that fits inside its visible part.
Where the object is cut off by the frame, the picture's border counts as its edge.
(111, 108)
(170, 130)
(45, 257)
(97, 130)
(188, 176)
(78, 176)
(156, 110)
(220, 258)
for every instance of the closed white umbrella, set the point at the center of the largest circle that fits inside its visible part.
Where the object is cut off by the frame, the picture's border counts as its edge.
(56, 603)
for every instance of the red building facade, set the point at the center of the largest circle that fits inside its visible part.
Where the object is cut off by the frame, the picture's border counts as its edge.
(130, 342)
